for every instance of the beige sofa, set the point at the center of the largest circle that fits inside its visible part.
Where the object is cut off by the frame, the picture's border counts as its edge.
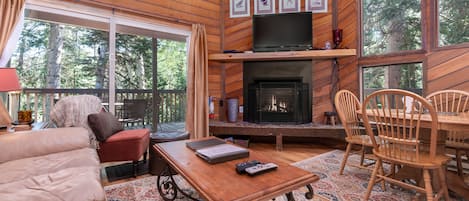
(50, 164)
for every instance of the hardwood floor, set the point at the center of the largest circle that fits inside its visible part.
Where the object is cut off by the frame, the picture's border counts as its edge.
(292, 152)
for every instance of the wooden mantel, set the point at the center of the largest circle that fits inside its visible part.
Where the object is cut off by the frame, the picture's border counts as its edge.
(287, 55)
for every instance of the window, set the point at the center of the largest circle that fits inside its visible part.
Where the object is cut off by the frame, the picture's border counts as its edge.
(453, 19)
(390, 26)
(171, 68)
(403, 76)
(60, 56)
(71, 52)
(52, 54)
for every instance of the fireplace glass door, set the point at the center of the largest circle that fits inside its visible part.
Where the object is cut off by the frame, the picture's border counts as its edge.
(278, 101)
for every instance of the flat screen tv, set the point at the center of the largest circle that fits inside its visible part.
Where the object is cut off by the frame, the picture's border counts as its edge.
(282, 32)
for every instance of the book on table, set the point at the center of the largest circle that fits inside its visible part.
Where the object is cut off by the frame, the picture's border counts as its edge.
(215, 150)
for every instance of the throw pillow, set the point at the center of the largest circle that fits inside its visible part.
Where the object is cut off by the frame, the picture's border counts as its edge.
(104, 125)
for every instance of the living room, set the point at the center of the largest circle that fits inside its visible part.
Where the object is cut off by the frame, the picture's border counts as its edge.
(360, 46)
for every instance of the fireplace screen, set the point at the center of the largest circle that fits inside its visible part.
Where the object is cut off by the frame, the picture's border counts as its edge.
(279, 101)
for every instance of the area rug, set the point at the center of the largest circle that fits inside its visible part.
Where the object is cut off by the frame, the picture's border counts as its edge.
(351, 186)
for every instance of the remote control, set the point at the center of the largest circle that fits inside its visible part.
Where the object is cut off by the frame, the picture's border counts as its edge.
(241, 167)
(261, 168)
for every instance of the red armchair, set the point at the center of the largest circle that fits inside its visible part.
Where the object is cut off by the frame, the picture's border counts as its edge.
(126, 145)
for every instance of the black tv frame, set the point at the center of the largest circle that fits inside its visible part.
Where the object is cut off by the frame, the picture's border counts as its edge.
(281, 47)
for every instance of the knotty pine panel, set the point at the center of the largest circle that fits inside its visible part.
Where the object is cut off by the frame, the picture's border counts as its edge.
(447, 69)
(347, 20)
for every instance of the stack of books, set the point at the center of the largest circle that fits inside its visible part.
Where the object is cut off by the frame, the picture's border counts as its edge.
(215, 150)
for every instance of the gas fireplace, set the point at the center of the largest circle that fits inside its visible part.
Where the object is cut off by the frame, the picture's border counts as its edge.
(283, 101)
(277, 92)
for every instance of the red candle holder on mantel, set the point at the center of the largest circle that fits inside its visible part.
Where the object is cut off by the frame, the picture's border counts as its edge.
(337, 37)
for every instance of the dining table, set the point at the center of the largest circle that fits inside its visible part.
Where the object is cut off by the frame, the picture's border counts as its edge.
(446, 122)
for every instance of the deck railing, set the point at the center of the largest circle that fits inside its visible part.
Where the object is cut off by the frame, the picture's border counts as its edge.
(172, 106)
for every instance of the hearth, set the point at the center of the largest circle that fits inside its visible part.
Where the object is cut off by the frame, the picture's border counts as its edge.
(277, 92)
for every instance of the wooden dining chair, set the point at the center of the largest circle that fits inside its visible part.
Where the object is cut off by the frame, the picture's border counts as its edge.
(400, 140)
(347, 104)
(453, 102)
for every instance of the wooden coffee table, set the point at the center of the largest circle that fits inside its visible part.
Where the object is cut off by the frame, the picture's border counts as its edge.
(221, 182)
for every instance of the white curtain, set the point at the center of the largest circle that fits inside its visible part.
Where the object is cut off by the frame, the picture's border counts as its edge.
(12, 41)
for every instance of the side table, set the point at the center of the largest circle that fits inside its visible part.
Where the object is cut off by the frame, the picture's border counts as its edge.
(157, 163)
(17, 128)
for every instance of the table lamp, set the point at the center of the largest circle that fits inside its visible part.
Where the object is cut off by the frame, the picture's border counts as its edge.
(8, 82)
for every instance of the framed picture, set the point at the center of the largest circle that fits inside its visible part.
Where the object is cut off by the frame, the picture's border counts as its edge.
(264, 7)
(239, 8)
(316, 6)
(289, 6)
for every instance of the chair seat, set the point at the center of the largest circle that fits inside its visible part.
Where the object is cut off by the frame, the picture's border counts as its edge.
(424, 159)
(361, 139)
(126, 145)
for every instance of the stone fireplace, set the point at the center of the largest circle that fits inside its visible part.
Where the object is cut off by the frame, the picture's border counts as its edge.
(277, 92)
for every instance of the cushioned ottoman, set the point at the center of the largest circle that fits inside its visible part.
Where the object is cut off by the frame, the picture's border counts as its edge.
(128, 144)
(157, 163)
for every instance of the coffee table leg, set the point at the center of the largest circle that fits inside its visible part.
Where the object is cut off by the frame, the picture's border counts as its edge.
(289, 196)
(167, 186)
(309, 195)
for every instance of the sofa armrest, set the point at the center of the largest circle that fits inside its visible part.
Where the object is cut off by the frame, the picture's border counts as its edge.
(41, 142)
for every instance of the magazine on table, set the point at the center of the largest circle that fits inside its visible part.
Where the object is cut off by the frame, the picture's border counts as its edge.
(215, 150)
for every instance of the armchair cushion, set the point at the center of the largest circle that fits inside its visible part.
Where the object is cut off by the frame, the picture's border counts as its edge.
(128, 145)
(104, 124)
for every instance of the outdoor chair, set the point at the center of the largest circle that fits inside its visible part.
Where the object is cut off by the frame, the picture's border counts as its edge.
(403, 140)
(453, 102)
(134, 112)
(347, 104)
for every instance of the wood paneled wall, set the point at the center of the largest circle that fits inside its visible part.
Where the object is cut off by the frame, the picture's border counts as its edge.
(447, 69)
(238, 36)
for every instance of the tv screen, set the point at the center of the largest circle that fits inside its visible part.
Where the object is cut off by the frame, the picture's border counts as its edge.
(282, 32)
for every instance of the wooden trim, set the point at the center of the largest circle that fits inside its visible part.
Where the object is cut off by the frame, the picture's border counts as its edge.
(360, 29)
(426, 24)
(156, 97)
(400, 58)
(451, 47)
(289, 55)
(78, 9)
(432, 16)
(109, 5)
(335, 17)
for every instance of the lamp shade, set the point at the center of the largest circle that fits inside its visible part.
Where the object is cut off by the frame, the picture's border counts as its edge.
(9, 80)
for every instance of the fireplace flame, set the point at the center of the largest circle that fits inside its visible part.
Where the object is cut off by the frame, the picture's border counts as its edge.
(281, 106)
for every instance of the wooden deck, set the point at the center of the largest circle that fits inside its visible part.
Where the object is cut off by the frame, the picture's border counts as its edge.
(277, 130)
(171, 126)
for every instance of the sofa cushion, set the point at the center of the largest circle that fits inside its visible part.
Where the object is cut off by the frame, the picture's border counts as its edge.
(29, 167)
(124, 145)
(104, 124)
(26, 144)
(78, 183)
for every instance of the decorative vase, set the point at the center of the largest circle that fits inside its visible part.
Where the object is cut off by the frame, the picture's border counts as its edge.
(232, 109)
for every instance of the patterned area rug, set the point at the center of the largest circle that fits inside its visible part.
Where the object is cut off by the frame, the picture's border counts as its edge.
(348, 187)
